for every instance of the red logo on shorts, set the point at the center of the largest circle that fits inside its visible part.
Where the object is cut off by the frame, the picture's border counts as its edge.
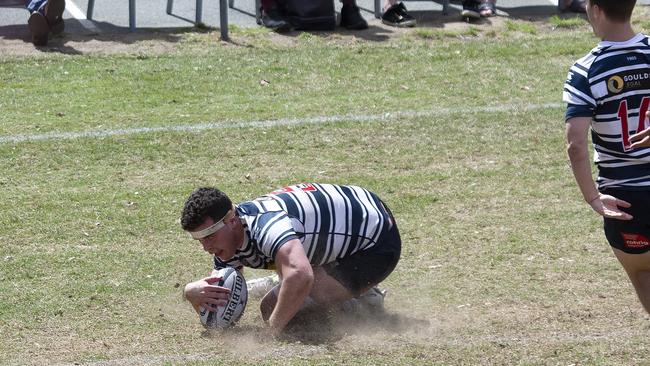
(636, 241)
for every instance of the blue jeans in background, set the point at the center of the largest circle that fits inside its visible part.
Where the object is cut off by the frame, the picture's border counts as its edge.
(35, 5)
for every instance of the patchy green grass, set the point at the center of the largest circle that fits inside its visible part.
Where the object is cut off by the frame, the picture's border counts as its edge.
(520, 26)
(567, 22)
(502, 261)
(429, 33)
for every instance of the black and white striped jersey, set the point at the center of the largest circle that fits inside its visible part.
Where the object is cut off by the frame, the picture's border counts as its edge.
(331, 221)
(611, 85)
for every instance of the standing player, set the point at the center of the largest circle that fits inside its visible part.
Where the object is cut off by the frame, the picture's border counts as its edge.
(328, 244)
(609, 91)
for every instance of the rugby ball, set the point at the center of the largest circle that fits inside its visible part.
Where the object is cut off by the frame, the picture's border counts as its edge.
(226, 316)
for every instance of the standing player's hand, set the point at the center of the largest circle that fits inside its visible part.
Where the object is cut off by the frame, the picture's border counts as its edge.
(641, 138)
(608, 206)
(204, 293)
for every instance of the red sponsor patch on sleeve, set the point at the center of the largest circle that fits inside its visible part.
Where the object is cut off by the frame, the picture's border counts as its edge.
(635, 241)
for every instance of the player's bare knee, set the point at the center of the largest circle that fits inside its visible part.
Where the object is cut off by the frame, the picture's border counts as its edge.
(325, 297)
(319, 297)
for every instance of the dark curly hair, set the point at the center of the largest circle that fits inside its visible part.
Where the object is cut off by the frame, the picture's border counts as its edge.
(204, 202)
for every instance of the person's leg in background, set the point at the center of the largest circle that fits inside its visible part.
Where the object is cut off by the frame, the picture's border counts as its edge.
(351, 16)
(45, 16)
(487, 8)
(37, 22)
(575, 6)
(273, 17)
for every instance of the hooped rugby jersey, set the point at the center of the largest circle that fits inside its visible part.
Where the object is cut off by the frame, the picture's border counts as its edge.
(331, 221)
(611, 84)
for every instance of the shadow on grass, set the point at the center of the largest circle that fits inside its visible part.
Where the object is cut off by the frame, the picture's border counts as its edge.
(427, 19)
(331, 328)
(320, 327)
(433, 19)
(82, 31)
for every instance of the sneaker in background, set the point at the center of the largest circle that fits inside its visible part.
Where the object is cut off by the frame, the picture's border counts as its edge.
(351, 18)
(470, 9)
(274, 19)
(397, 16)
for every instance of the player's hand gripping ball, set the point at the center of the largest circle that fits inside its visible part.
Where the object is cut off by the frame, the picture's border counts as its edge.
(226, 316)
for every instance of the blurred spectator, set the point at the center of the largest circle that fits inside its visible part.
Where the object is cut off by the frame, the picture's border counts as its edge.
(395, 15)
(46, 16)
(351, 17)
(575, 6)
(475, 9)
(274, 16)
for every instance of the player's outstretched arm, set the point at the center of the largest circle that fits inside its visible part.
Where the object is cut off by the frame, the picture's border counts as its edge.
(297, 280)
(577, 149)
(204, 293)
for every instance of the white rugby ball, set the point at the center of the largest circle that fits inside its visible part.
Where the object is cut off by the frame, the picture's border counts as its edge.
(226, 316)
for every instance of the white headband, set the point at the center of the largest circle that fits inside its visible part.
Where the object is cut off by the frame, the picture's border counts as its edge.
(212, 228)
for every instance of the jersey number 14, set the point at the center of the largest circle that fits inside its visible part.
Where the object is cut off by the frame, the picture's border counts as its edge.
(622, 115)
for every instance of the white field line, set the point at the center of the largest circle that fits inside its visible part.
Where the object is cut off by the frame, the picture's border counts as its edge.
(434, 113)
(80, 15)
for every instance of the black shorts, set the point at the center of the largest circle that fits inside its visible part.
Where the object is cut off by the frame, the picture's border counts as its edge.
(630, 236)
(371, 266)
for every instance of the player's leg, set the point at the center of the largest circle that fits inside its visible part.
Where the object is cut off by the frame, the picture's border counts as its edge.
(630, 240)
(340, 281)
(325, 292)
(355, 275)
(348, 277)
(637, 267)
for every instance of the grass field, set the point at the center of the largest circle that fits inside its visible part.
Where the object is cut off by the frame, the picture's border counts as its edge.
(460, 132)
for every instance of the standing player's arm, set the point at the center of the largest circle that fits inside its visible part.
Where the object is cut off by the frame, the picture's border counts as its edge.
(297, 276)
(577, 147)
(577, 129)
